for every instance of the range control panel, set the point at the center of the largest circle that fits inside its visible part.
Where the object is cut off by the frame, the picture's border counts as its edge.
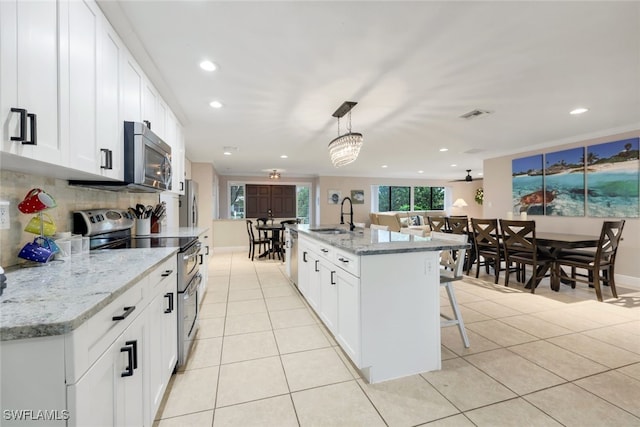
(98, 221)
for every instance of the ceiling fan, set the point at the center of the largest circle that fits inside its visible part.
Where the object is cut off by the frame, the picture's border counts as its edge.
(467, 178)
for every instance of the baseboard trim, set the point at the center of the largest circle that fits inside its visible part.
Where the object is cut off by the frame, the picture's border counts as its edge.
(628, 281)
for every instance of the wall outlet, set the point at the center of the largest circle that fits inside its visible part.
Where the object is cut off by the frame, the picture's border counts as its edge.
(5, 221)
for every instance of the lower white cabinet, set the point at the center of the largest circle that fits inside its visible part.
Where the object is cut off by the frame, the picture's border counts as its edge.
(348, 314)
(112, 370)
(111, 392)
(329, 296)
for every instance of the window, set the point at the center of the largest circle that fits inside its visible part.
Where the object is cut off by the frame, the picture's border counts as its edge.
(392, 198)
(236, 200)
(402, 198)
(428, 198)
(302, 203)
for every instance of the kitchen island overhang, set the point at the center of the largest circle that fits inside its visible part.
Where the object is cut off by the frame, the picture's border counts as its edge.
(378, 292)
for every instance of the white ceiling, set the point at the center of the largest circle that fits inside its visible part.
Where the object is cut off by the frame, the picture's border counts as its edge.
(413, 68)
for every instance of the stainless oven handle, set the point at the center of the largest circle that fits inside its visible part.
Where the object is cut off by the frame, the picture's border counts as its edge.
(193, 287)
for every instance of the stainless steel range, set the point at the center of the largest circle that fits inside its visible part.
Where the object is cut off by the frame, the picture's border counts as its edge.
(111, 229)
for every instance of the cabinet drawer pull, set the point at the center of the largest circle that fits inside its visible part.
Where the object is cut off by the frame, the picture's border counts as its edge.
(316, 267)
(333, 282)
(134, 345)
(343, 260)
(324, 250)
(128, 371)
(108, 159)
(170, 296)
(23, 124)
(127, 312)
(33, 126)
(167, 273)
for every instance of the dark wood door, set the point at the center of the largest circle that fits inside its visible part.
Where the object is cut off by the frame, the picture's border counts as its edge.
(278, 201)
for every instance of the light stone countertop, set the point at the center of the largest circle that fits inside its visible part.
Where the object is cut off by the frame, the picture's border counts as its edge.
(59, 296)
(374, 242)
(179, 232)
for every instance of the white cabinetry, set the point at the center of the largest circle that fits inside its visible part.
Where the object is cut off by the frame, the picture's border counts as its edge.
(163, 333)
(132, 81)
(204, 265)
(111, 370)
(29, 46)
(383, 309)
(79, 29)
(112, 390)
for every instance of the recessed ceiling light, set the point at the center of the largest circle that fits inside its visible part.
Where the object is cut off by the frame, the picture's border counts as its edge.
(578, 111)
(444, 149)
(215, 104)
(284, 156)
(384, 166)
(454, 165)
(228, 150)
(420, 171)
(208, 65)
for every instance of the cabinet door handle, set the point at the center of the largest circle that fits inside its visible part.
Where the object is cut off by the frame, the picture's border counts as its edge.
(316, 268)
(167, 273)
(181, 186)
(201, 259)
(148, 123)
(207, 248)
(333, 282)
(134, 346)
(22, 125)
(108, 159)
(33, 126)
(304, 256)
(170, 296)
(127, 312)
(128, 371)
(324, 250)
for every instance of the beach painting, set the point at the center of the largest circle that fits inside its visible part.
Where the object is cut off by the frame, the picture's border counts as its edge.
(564, 183)
(613, 179)
(527, 186)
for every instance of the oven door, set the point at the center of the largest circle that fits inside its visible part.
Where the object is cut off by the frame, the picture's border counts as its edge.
(190, 263)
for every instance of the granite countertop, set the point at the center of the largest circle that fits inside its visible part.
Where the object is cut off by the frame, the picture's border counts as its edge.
(375, 242)
(180, 232)
(59, 296)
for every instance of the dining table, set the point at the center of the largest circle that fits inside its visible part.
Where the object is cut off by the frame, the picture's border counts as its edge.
(552, 244)
(274, 235)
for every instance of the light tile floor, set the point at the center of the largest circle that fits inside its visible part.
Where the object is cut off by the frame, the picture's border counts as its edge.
(262, 358)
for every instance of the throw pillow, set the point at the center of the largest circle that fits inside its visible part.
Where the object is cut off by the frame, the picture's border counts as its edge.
(416, 220)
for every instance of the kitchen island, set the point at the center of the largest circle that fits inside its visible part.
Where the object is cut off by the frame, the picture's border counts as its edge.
(378, 294)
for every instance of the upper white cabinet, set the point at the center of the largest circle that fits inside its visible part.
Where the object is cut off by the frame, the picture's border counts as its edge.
(132, 82)
(29, 80)
(150, 107)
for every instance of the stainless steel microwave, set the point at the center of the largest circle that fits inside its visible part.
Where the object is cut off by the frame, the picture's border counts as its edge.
(146, 163)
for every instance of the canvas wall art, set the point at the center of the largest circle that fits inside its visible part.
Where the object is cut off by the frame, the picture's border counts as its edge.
(528, 185)
(357, 197)
(334, 197)
(564, 183)
(612, 179)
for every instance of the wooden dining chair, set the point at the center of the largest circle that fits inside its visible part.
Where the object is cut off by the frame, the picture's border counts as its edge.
(602, 260)
(253, 242)
(488, 249)
(458, 224)
(437, 223)
(520, 248)
(451, 266)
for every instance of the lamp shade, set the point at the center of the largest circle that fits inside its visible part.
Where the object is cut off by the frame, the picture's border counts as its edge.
(459, 203)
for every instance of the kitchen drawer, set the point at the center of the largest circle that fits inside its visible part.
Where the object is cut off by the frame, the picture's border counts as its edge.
(325, 251)
(166, 271)
(347, 261)
(87, 343)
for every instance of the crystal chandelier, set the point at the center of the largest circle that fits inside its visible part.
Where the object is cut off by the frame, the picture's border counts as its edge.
(274, 175)
(345, 148)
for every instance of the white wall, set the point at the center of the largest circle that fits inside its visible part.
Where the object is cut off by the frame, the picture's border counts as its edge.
(498, 200)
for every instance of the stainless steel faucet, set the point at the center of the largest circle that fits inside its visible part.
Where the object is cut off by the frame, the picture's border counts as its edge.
(351, 225)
